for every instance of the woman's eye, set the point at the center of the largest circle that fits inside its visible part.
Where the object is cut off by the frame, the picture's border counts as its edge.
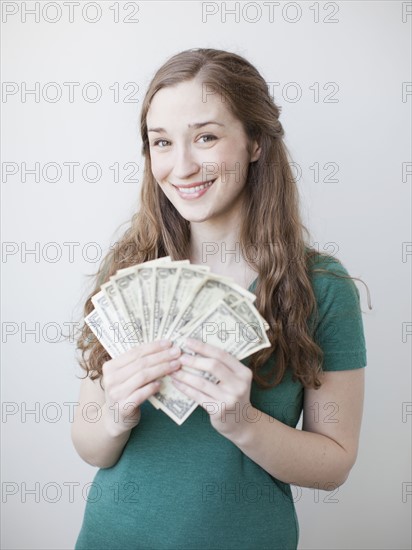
(161, 143)
(206, 138)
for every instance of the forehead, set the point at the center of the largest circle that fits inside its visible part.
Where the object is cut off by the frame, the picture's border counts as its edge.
(185, 103)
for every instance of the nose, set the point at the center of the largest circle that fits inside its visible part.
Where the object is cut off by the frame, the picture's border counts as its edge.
(185, 163)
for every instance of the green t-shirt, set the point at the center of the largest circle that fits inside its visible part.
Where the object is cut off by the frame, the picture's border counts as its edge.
(188, 487)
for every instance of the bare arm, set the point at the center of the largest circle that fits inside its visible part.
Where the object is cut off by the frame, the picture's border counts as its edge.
(127, 380)
(92, 439)
(322, 454)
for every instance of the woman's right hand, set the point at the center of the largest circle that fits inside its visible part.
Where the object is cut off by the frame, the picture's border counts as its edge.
(131, 378)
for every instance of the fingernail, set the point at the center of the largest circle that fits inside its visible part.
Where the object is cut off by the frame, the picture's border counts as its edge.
(174, 364)
(191, 341)
(165, 343)
(174, 351)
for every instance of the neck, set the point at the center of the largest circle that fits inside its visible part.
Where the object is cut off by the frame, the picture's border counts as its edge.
(216, 243)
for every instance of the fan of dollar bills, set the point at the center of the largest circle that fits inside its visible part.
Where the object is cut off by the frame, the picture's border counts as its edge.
(176, 300)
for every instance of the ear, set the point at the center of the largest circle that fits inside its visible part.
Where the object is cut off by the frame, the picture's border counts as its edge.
(255, 151)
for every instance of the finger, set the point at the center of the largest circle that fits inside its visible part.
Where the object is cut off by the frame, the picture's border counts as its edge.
(142, 350)
(123, 372)
(199, 384)
(218, 369)
(143, 393)
(147, 376)
(149, 361)
(208, 402)
(208, 350)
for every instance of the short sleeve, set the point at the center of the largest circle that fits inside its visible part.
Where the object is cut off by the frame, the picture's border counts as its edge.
(338, 328)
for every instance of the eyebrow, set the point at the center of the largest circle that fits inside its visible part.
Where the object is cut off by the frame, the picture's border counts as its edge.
(195, 125)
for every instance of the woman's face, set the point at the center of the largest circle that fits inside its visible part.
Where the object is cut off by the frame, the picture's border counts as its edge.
(198, 151)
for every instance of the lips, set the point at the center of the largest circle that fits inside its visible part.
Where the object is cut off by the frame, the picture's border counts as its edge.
(194, 188)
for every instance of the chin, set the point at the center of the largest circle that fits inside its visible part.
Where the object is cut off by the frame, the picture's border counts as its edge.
(192, 212)
(194, 217)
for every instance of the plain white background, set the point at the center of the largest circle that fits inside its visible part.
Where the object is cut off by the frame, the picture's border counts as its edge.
(361, 61)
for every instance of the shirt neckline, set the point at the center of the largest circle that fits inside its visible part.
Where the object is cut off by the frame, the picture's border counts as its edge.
(253, 285)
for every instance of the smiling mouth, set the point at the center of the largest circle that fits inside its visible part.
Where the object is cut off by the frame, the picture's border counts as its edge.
(195, 188)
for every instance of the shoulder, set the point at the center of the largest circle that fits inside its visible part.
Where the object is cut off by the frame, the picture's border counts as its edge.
(318, 262)
(337, 321)
(330, 279)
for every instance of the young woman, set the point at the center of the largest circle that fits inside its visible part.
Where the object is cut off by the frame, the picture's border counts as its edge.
(217, 171)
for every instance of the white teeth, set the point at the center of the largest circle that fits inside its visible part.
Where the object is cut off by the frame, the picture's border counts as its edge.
(192, 190)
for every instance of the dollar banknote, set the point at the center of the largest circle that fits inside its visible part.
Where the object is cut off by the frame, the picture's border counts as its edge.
(176, 300)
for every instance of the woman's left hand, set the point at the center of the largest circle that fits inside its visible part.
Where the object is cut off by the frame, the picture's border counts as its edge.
(227, 401)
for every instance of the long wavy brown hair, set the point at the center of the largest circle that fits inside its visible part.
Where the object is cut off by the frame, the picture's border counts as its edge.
(271, 222)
